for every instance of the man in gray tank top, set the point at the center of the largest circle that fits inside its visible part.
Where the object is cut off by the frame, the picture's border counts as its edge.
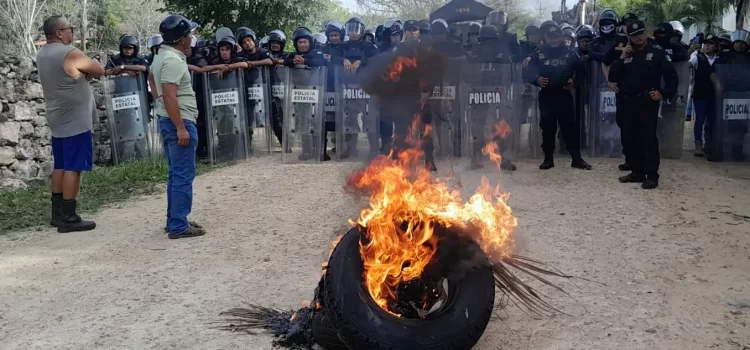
(64, 72)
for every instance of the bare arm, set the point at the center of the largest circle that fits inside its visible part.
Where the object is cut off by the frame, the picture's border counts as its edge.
(194, 68)
(76, 63)
(264, 62)
(152, 84)
(135, 68)
(169, 94)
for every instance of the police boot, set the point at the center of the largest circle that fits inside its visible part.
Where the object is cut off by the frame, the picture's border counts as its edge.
(698, 149)
(631, 178)
(506, 164)
(56, 215)
(625, 167)
(650, 183)
(578, 161)
(70, 221)
(549, 161)
(476, 157)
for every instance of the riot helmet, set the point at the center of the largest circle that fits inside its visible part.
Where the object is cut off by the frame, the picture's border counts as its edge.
(303, 33)
(277, 36)
(230, 43)
(488, 32)
(355, 28)
(531, 29)
(264, 42)
(334, 25)
(424, 27)
(245, 33)
(628, 18)
(496, 18)
(567, 30)
(154, 42)
(474, 28)
(663, 33)
(439, 27)
(607, 22)
(546, 25)
(739, 35)
(677, 28)
(320, 40)
(370, 35)
(585, 32)
(129, 41)
(392, 28)
(175, 27)
(379, 33)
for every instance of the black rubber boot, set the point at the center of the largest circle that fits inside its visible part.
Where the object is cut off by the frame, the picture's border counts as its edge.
(56, 215)
(631, 178)
(548, 163)
(70, 221)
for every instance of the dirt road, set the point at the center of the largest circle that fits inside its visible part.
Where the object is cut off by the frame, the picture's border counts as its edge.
(671, 266)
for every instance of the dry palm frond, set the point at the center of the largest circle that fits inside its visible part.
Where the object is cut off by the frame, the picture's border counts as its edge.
(292, 327)
(518, 291)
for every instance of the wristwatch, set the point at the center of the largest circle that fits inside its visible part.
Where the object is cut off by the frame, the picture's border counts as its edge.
(122, 66)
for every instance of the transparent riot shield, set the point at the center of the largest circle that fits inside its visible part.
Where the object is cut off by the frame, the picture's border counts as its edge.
(671, 127)
(487, 99)
(258, 108)
(226, 117)
(444, 105)
(526, 111)
(278, 78)
(357, 118)
(127, 116)
(331, 103)
(303, 114)
(155, 142)
(581, 100)
(604, 134)
(728, 129)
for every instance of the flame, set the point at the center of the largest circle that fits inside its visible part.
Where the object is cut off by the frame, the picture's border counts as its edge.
(395, 68)
(407, 204)
(500, 130)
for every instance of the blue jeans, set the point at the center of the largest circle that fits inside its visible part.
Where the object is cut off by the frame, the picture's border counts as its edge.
(181, 162)
(704, 117)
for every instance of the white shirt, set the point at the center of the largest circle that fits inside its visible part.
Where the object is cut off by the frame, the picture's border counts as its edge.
(694, 59)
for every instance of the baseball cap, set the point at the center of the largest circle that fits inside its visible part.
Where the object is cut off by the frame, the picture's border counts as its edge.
(635, 28)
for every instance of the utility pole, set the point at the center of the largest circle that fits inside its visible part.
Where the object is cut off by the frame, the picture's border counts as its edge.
(84, 26)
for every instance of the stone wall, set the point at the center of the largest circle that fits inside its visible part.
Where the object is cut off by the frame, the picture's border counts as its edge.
(25, 151)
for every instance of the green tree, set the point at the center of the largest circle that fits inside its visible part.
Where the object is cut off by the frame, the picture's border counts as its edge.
(328, 9)
(261, 15)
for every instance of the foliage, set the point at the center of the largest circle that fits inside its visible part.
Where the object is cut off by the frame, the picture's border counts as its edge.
(262, 15)
(705, 14)
(403, 9)
(29, 207)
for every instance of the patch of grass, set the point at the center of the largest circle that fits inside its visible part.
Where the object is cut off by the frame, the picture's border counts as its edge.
(30, 207)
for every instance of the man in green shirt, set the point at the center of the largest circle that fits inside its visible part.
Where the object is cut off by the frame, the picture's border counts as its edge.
(177, 111)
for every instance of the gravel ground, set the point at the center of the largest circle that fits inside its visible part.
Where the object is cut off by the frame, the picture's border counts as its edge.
(668, 269)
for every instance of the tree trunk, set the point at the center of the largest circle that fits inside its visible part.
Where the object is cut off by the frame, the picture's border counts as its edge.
(84, 23)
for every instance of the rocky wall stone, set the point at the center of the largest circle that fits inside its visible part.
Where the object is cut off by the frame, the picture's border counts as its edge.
(25, 150)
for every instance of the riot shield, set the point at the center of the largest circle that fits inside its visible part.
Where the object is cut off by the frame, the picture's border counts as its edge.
(127, 116)
(155, 142)
(526, 110)
(303, 113)
(357, 118)
(258, 107)
(728, 130)
(487, 99)
(226, 116)
(670, 129)
(278, 78)
(604, 134)
(444, 105)
(200, 123)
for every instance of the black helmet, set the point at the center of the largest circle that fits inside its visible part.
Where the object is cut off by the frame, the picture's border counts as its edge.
(277, 35)
(393, 27)
(531, 28)
(629, 17)
(496, 18)
(371, 34)
(264, 42)
(439, 27)
(545, 26)
(175, 27)
(228, 41)
(725, 37)
(664, 29)
(201, 43)
(488, 32)
(303, 33)
(411, 24)
(567, 30)
(129, 40)
(243, 33)
(155, 40)
(379, 33)
(334, 25)
(475, 28)
(585, 32)
(424, 26)
(608, 15)
(320, 40)
(355, 26)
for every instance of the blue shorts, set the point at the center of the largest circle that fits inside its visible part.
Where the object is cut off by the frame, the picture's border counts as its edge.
(74, 153)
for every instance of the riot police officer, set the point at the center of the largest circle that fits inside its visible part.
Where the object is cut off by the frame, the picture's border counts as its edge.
(678, 31)
(583, 35)
(379, 35)
(637, 76)
(264, 42)
(370, 36)
(411, 30)
(276, 41)
(320, 40)
(424, 29)
(153, 43)
(663, 36)
(569, 35)
(257, 56)
(552, 68)
(393, 34)
(276, 44)
(725, 42)
(228, 58)
(442, 43)
(127, 61)
(533, 39)
(607, 38)
(333, 53)
(472, 37)
(738, 52)
(509, 40)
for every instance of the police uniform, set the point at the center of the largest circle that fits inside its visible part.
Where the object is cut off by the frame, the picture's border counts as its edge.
(335, 62)
(638, 76)
(557, 65)
(358, 51)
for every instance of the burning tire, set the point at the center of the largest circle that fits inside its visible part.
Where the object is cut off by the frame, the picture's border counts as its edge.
(363, 324)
